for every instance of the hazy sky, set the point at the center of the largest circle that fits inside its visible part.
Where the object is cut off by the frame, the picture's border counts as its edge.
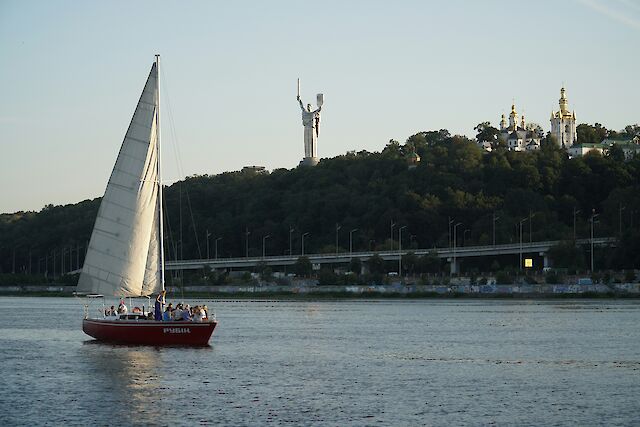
(71, 73)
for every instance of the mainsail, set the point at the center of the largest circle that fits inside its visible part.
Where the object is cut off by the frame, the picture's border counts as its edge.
(123, 257)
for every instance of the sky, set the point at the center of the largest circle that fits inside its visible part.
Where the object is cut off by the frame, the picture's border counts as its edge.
(71, 73)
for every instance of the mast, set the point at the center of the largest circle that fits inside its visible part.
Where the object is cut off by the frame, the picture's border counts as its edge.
(160, 215)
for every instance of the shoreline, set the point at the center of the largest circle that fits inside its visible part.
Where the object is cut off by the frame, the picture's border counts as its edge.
(509, 292)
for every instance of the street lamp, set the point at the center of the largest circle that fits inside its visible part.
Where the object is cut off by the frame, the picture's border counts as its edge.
(400, 250)
(208, 235)
(264, 241)
(351, 241)
(495, 218)
(304, 234)
(216, 245)
(246, 247)
(594, 215)
(455, 239)
(451, 221)
(393, 224)
(522, 221)
(291, 230)
(338, 227)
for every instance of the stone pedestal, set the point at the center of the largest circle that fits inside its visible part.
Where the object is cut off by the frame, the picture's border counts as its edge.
(309, 161)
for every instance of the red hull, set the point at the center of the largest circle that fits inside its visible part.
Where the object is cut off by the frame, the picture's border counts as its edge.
(150, 332)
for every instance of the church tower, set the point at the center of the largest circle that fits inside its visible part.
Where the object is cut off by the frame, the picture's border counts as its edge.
(513, 118)
(563, 123)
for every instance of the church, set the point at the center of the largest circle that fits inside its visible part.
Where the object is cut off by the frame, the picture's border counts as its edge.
(517, 136)
(563, 123)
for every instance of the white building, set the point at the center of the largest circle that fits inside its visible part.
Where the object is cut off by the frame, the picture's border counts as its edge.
(517, 136)
(563, 123)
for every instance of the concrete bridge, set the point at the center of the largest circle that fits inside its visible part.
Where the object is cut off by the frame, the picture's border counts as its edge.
(453, 255)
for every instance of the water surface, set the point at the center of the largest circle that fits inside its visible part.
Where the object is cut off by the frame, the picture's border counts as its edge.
(442, 362)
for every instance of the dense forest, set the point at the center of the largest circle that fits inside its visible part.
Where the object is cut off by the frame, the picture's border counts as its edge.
(370, 196)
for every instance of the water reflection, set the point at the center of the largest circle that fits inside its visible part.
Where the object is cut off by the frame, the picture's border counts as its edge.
(131, 377)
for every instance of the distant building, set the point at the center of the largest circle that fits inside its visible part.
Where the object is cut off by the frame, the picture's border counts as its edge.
(413, 159)
(563, 123)
(255, 169)
(578, 150)
(516, 135)
(630, 147)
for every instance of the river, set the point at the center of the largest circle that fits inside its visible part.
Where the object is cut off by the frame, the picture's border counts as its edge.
(334, 363)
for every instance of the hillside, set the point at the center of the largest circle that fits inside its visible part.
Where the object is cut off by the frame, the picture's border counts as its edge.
(368, 192)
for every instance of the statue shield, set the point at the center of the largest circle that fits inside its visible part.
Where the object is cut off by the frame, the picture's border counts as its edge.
(320, 99)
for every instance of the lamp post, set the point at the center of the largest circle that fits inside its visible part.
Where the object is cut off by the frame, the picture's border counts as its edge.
(246, 247)
(495, 218)
(594, 215)
(393, 224)
(400, 250)
(351, 241)
(208, 235)
(575, 212)
(338, 227)
(303, 234)
(264, 242)
(522, 221)
(216, 245)
(455, 239)
(291, 230)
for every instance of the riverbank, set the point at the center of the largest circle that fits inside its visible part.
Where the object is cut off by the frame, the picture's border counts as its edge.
(396, 290)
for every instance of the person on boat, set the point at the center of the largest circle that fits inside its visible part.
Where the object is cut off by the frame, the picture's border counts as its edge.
(137, 309)
(159, 305)
(122, 308)
(186, 313)
(198, 314)
(177, 313)
(167, 316)
(205, 311)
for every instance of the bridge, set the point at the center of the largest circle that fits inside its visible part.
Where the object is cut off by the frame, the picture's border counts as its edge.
(453, 255)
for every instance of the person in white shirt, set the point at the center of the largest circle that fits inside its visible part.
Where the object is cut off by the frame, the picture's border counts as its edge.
(122, 308)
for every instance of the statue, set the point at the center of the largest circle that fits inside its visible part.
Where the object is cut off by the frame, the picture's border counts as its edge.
(311, 123)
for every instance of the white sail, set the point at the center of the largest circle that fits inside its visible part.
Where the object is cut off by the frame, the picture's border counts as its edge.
(123, 254)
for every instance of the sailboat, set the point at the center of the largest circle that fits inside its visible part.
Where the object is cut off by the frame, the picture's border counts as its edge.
(125, 256)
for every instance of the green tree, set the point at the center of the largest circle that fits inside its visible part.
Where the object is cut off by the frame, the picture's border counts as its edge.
(302, 267)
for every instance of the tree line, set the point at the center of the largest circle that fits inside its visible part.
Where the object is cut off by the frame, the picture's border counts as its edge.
(361, 200)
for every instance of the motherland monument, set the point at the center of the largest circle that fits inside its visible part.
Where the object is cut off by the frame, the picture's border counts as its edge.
(311, 123)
